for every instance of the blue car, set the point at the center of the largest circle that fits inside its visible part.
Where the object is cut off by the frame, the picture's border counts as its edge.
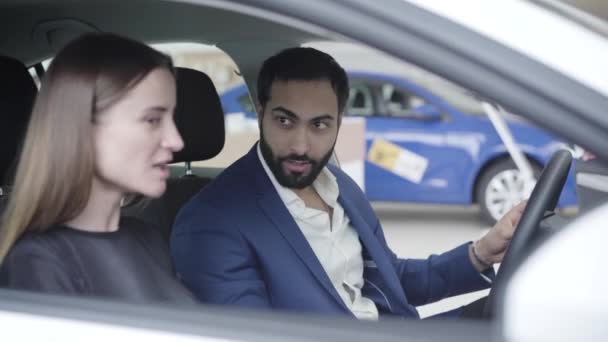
(423, 148)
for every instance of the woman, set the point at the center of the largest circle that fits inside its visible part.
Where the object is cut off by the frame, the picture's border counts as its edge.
(101, 128)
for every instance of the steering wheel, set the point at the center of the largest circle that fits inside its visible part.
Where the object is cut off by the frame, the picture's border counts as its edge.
(544, 198)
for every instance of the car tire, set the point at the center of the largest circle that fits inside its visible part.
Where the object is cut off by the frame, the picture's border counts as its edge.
(501, 187)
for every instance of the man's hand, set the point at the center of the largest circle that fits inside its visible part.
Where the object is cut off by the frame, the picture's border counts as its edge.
(492, 246)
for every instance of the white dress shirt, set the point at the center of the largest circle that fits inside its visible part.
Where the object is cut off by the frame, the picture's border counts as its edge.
(333, 240)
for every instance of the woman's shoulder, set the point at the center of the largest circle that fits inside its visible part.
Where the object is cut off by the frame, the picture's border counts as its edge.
(48, 244)
(39, 261)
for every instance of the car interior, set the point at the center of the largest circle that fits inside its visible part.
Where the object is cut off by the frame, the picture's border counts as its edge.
(17, 93)
(32, 31)
(199, 115)
(200, 120)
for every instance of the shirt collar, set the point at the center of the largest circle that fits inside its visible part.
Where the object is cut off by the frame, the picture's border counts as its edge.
(326, 186)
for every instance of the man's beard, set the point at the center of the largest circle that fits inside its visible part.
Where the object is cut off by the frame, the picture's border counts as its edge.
(292, 180)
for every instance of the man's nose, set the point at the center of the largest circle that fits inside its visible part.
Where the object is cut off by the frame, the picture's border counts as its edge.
(299, 142)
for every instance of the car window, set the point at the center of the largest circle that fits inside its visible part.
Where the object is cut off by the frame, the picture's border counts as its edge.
(399, 102)
(359, 143)
(360, 100)
(458, 97)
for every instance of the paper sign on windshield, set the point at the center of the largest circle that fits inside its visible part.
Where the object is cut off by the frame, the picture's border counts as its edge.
(398, 160)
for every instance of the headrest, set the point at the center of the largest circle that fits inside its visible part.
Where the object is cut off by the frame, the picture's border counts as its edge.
(17, 94)
(199, 116)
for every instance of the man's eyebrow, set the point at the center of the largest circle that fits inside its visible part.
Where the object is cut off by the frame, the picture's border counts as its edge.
(322, 117)
(295, 116)
(285, 111)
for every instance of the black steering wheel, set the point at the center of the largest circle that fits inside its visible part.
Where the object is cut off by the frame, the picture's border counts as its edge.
(543, 199)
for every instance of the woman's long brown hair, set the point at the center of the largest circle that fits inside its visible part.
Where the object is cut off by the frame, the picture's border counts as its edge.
(55, 172)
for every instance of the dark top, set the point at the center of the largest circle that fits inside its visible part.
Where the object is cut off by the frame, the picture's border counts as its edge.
(130, 264)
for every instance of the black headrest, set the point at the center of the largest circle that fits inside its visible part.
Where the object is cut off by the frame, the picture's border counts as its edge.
(199, 116)
(17, 94)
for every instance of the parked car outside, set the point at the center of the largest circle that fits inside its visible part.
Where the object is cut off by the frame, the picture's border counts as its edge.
(421, 148)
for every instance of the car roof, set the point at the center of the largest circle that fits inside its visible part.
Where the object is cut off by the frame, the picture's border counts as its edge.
(39, 28)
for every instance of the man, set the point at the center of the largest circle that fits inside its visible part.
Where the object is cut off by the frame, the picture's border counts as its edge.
(282, 229)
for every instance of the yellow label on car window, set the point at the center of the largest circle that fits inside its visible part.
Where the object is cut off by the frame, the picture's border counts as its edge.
(400, 161)
(383, 153)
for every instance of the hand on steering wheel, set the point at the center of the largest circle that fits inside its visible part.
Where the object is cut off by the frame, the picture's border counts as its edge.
(544, 198)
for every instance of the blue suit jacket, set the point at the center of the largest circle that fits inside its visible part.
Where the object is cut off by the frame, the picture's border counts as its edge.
(236, 243)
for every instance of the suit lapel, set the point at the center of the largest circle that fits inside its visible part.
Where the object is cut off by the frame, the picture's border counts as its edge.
(374, 249)
(277, 213)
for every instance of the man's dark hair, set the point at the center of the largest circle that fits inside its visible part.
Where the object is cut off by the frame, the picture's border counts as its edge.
(302, 64)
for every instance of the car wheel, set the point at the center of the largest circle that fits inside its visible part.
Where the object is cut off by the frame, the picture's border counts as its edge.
(501, 187)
